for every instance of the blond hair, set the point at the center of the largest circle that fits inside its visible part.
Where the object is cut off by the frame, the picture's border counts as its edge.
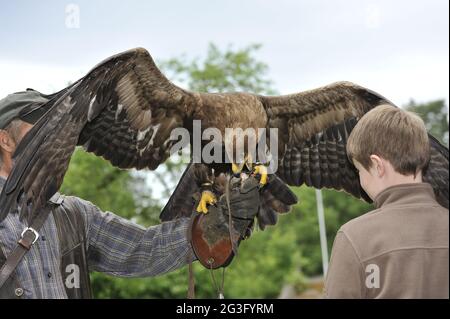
(394, 134)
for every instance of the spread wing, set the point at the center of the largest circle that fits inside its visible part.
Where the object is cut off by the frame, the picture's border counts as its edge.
(124, 110)
(313, 130)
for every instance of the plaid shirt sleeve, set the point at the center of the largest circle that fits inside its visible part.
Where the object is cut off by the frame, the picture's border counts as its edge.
(122, 248)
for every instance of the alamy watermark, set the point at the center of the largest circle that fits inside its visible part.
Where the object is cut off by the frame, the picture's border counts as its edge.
(73, 276)
(373, 277)
(249, 145)
(72, 16)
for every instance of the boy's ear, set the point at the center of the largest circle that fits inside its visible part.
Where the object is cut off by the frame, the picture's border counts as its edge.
(378, 165)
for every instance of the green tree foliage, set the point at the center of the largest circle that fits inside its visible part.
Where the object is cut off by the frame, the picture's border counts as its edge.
(228, 71)
(435, 116)
(270, 258)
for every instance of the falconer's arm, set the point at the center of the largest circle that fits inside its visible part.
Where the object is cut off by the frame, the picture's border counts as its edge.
(122, 248)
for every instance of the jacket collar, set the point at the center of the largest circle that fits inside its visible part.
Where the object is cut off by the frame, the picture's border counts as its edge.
(411, 193)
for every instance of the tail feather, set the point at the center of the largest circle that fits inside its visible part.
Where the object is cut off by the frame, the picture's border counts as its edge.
(276, 198)
(266, 216)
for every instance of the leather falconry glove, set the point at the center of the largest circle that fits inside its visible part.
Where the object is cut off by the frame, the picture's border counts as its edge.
(215, 236)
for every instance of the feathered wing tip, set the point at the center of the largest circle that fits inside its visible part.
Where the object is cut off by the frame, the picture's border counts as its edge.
(181, 202)
(281, 191)
(437, 172)
(266, 217)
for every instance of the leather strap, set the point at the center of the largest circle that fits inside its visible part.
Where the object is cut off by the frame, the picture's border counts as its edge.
(28, 238)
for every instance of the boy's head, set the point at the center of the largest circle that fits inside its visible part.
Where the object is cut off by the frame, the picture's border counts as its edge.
(388, 146)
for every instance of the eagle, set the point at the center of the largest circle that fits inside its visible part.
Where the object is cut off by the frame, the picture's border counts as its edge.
(125, 109)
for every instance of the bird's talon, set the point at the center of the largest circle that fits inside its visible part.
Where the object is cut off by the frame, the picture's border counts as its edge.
(237, 169)
(261, 170)
(208, 198)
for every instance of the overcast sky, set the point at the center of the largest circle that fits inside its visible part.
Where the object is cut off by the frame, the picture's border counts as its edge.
(397, 48)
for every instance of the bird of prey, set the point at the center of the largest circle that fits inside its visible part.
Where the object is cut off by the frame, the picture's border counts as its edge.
(124, 110)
